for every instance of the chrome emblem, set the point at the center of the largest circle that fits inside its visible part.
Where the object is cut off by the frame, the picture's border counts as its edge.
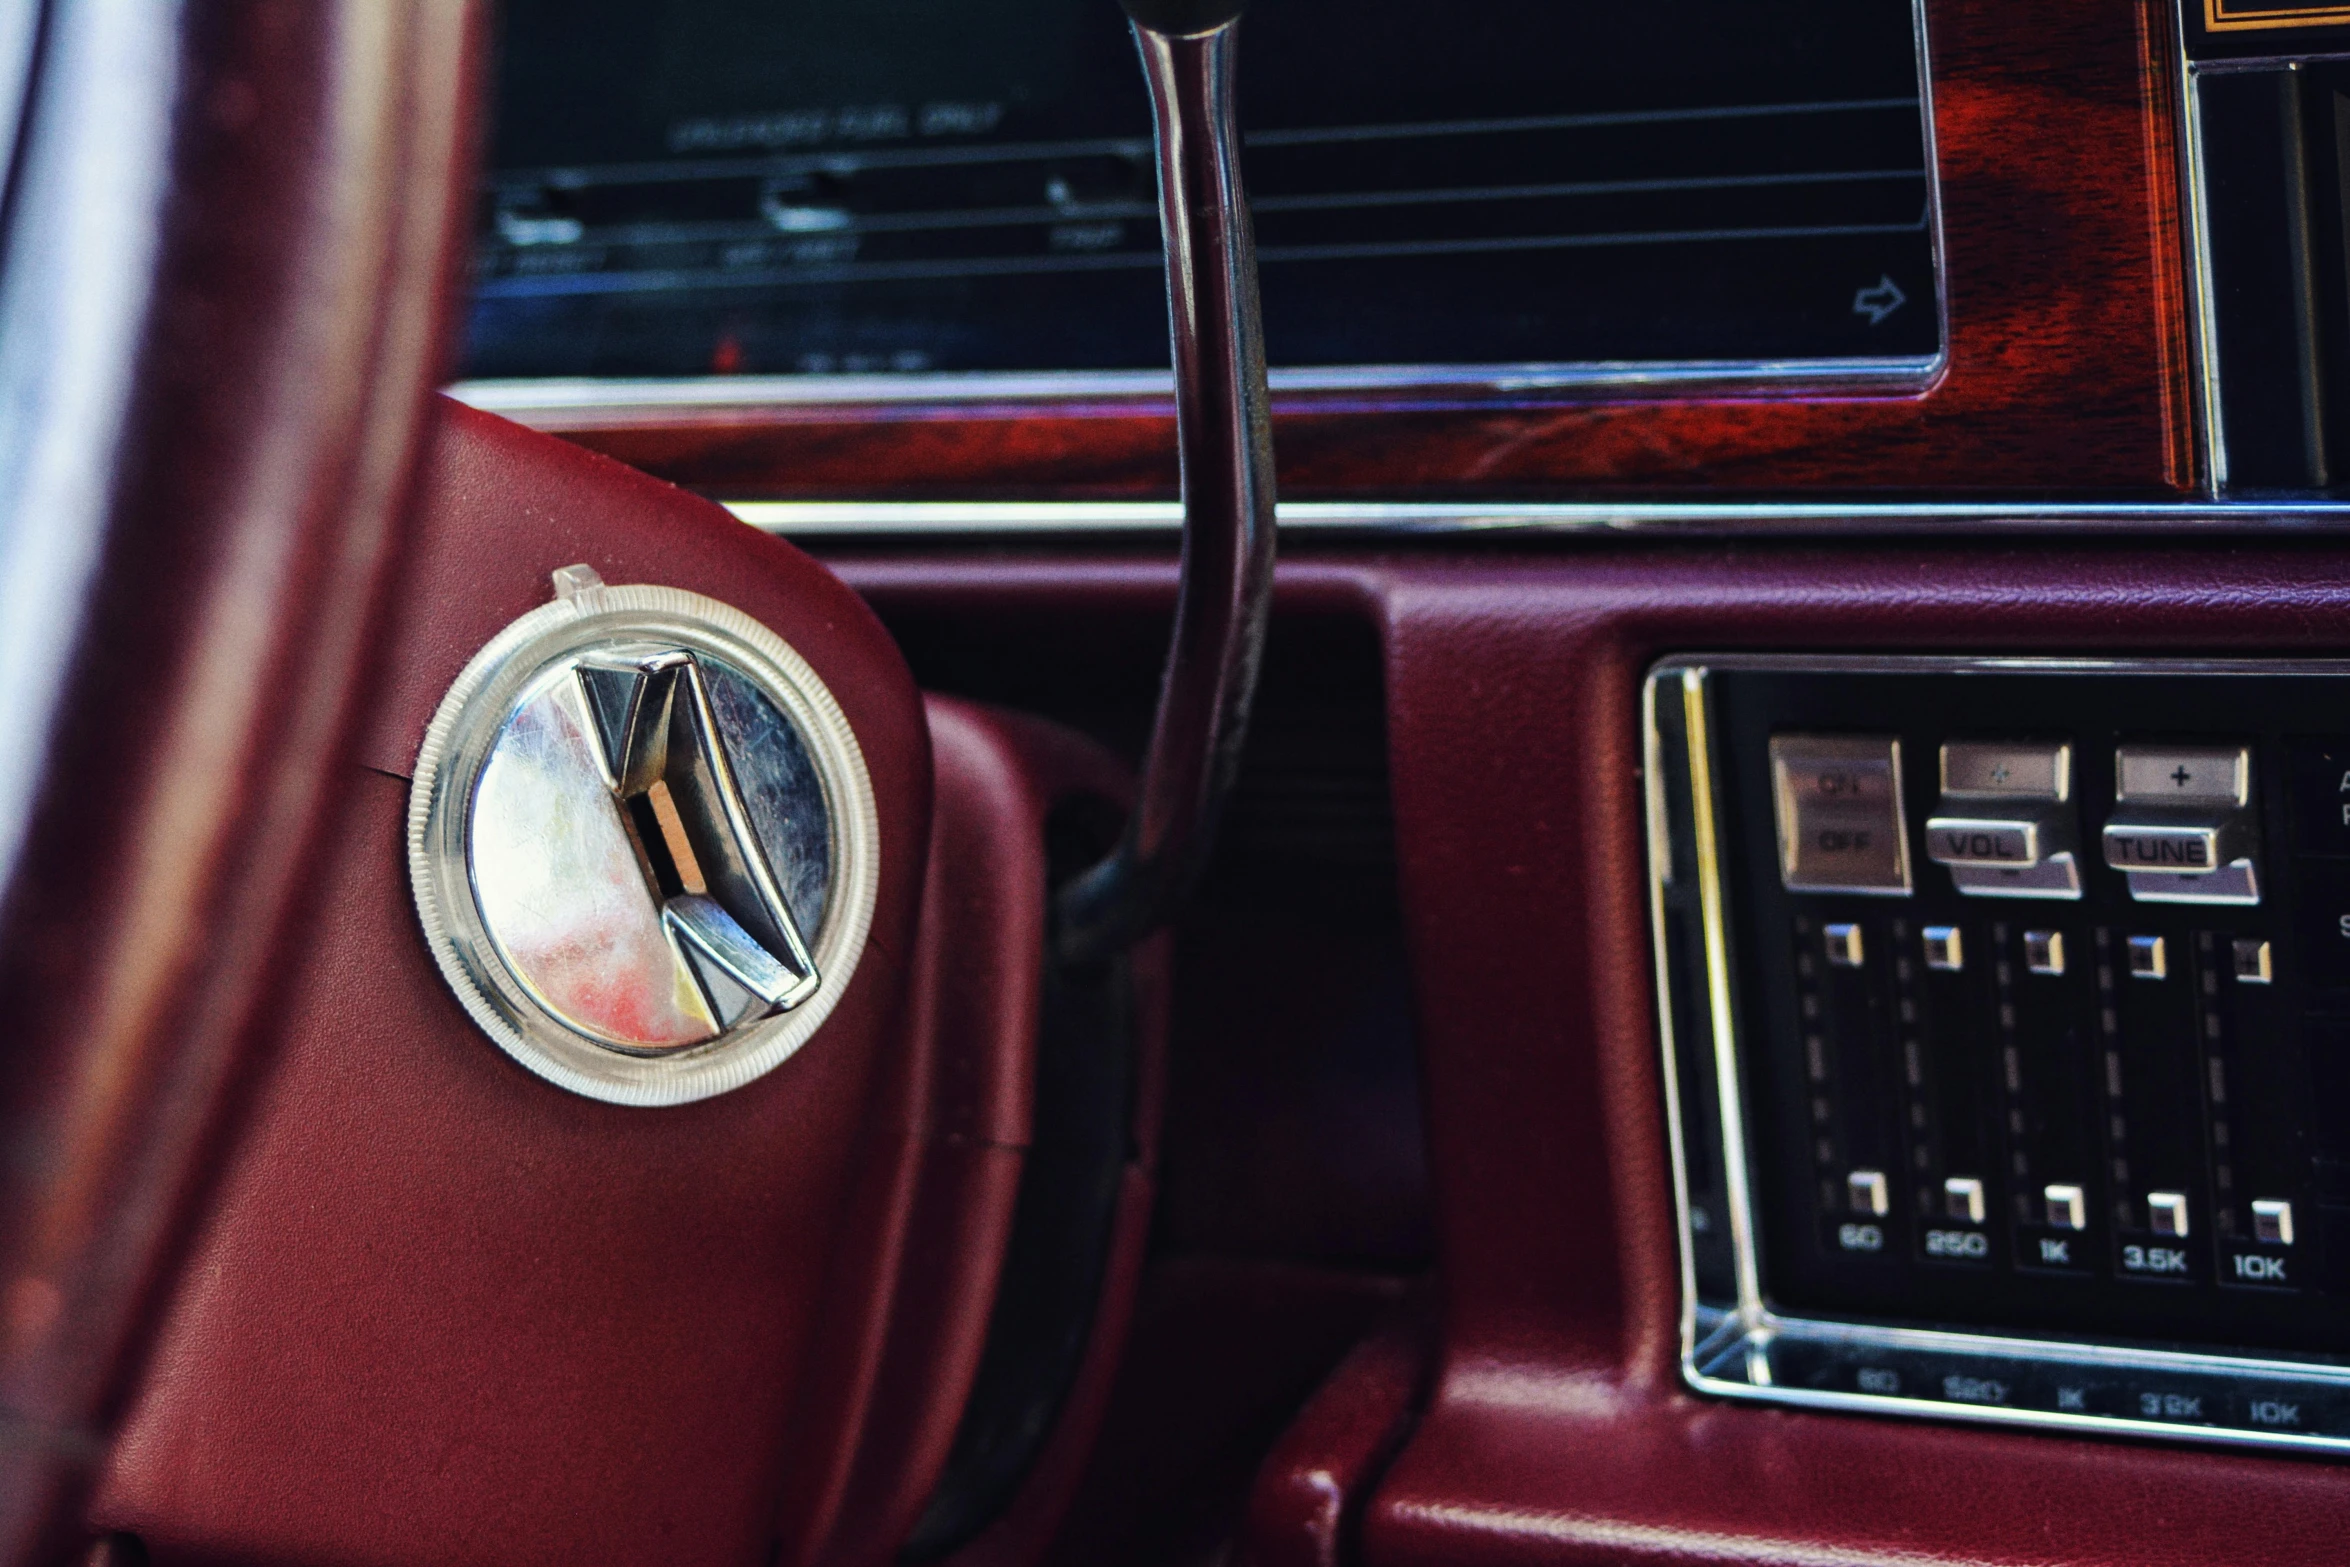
(642, 843)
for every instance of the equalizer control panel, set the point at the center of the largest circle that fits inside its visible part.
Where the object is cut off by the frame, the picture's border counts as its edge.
(2006, 1007)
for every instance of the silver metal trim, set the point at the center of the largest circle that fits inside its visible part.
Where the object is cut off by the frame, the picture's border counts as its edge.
(2202, 317)
(811, 519)
(1720, 999)
(1762, 1334)
(1744, 1333)
(1662, 873)
(2253, 64)
(1932, 150)
(448, 769)
(531, 401)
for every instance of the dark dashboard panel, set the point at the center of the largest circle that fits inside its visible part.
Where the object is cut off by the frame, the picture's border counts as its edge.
(2067, 354)
(926, 186)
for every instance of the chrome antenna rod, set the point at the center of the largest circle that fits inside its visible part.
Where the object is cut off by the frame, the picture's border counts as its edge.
(1224, 435)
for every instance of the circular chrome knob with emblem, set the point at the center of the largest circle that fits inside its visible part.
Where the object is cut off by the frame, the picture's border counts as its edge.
(643, 843)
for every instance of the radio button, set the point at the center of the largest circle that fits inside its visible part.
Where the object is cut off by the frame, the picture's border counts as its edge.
(1837, 799)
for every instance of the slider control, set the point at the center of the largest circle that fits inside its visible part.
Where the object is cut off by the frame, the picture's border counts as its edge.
(2005, 824)
(1867, 1192)
(2166, 1213)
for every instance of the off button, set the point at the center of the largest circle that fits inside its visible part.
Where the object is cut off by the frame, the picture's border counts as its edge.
(1838, 803)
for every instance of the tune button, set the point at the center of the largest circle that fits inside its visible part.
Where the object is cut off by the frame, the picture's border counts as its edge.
(2182, 829)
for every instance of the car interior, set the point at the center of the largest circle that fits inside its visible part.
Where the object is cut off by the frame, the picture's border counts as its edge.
(1177, 783)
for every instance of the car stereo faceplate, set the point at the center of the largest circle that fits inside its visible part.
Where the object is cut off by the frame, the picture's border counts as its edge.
(2006, 1022)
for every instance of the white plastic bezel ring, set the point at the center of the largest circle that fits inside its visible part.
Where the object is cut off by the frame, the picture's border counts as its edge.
(456, 748)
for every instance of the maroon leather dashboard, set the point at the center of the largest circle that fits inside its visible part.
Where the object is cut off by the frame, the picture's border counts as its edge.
(437, 1310)
(1556, 1428)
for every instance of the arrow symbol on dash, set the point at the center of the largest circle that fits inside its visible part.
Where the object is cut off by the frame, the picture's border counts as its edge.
(1879, 302)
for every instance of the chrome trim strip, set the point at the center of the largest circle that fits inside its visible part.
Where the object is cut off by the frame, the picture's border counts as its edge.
(1720, 1003)
(1660, 873)
(1994, 664)
(1987, 1414)
(2244, 65)
(1712, 1334)
(2202, 315)
(552, 399)
(1032, 519)
(1932, 151)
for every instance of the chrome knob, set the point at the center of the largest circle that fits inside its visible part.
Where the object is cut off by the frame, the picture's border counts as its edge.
(614, 778)
(632, 831)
